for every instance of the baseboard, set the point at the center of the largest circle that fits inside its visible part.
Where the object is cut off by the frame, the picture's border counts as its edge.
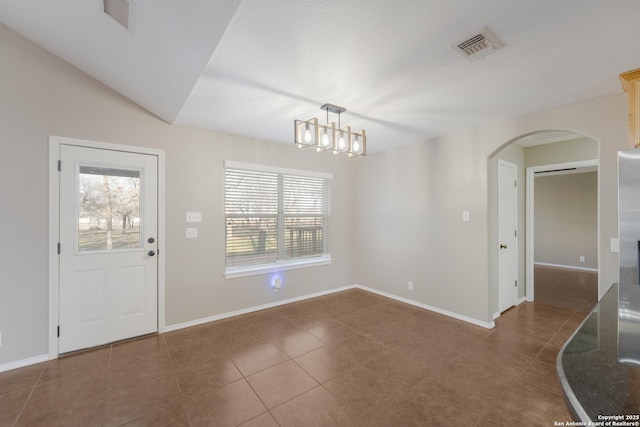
(24, 362)
(488, 325)
(518, 302)
(178, 326)
(204, 320)
(569, 267)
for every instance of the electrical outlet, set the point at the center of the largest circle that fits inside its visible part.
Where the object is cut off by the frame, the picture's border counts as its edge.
(582, 258)
(192, 233)
(410, 285)
(277, 283)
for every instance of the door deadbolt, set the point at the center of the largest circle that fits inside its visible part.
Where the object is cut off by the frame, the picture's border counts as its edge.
(151, 240)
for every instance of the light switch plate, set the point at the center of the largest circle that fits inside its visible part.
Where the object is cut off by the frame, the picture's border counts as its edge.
(192, 233)
(194, 216)
(615, 245)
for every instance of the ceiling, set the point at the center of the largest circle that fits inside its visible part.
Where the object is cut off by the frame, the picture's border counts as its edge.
(250, 67)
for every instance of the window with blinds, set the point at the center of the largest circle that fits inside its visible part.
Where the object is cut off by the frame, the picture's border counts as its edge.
(274, 216)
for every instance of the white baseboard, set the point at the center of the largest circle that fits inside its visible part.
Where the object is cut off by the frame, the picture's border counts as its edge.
(488, 325)
(24, 362)
(204, 320)
(178, 326)
(518, 302)
(570, 267)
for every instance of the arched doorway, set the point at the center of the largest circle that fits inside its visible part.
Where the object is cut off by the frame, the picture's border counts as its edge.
(549, 153)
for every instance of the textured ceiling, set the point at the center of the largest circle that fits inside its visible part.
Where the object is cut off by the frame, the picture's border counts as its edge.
(251, 67)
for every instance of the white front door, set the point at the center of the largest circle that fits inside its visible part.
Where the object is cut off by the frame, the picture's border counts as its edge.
(108, 246)
(507, 234)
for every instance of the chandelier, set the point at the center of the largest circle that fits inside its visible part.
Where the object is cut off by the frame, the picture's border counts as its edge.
(328, 137)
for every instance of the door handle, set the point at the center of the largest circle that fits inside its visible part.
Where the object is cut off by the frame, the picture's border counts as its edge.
(503, 246)
(151, 253)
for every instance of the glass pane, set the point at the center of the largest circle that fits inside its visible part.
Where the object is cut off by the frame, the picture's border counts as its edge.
(251, 240)
(303, 195)
(303, 237)
(108, 208)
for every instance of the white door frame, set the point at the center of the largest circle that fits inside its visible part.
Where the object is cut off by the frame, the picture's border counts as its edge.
(531, 170)
(54, 228)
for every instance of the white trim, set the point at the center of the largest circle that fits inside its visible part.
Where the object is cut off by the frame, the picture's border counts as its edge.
(496, 315)
(24, 362)
(521, 300)
(569, 267)
(488, 325)
(251, 270)
(203, 320)
(55, 142)
(178, 326)
(529, 214)
(275, 169)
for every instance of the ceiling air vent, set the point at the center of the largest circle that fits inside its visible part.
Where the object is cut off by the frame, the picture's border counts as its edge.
(122, 11)
(478, 46)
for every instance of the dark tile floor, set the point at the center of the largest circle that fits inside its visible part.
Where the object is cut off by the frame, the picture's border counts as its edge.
(347, 359)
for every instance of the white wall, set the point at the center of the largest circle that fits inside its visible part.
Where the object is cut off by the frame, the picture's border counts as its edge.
(40, 96)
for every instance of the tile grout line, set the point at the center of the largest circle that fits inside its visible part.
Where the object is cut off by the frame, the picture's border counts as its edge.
(106, 391)
(33, 389)
(175, 378)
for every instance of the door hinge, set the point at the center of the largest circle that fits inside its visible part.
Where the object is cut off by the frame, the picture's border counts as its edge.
(58, 248)
(515, 183)
(515, 233)
(58, 331)
(516, 284)
(59, 165)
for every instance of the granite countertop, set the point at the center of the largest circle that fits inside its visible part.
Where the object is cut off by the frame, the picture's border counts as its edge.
(599, 366)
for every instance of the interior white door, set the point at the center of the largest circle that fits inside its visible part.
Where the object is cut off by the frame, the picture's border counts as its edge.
(507, 234)
(108, 249)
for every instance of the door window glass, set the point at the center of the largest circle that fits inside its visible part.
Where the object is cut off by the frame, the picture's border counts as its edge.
(108, 208)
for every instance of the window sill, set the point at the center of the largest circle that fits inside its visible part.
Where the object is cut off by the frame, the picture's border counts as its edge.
(251, 270)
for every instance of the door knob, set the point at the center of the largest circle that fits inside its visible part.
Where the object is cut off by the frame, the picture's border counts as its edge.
(151, 253)
(502, 246)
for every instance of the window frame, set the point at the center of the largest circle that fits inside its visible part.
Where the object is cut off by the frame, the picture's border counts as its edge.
(283, 263)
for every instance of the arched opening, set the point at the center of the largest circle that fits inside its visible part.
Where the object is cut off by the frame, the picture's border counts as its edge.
(564, 233)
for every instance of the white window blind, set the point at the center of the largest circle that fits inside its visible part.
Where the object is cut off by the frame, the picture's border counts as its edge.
(274, 215)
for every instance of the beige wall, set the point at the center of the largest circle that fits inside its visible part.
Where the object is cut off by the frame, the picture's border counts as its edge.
(40, 96)
(561, 152)
(418, 215)
(566, 222)
(408, 201)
